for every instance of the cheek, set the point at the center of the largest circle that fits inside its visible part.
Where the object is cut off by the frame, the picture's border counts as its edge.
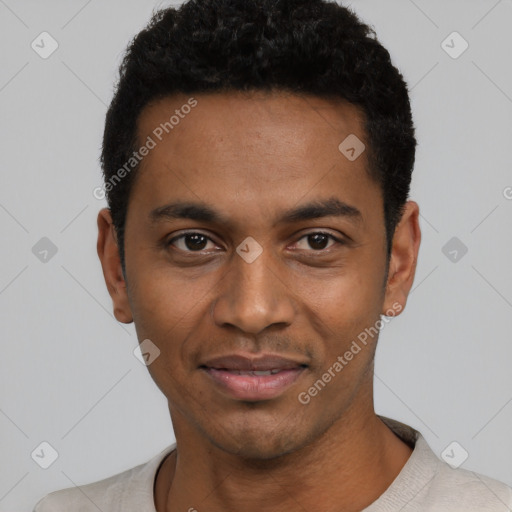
(348, 314)
(167, 314)
(346, 309)
(348, 298)
(166, 318)
(164, 298)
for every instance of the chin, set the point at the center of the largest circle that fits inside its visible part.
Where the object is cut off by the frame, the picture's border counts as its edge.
(258, 443)
(258, 449)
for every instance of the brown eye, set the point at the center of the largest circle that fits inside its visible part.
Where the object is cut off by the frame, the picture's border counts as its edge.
(318, 241)
(190, 242)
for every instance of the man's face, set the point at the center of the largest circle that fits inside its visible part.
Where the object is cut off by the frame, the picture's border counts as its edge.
(316, 285)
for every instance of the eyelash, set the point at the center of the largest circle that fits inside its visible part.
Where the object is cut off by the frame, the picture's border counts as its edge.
(331, 236)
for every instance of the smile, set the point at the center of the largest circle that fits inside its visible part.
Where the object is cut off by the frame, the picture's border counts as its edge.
(251, 379)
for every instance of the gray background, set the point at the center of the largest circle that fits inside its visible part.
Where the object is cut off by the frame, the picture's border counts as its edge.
(68, 375)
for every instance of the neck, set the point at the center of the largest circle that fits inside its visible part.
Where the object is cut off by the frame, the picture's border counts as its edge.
(347, 469)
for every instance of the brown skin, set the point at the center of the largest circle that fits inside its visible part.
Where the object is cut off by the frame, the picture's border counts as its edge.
(251, 157)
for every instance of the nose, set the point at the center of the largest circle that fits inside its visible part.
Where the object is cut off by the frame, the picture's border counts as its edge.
(253, 296)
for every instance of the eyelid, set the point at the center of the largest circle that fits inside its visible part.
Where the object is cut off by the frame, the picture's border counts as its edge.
(321, 231)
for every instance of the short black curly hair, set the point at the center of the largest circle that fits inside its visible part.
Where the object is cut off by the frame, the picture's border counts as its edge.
(306, 47)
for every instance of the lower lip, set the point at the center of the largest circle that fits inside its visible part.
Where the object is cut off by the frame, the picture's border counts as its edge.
(254, 387)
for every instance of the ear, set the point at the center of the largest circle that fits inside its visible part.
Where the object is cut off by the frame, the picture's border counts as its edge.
(108, 252)
(403, 260)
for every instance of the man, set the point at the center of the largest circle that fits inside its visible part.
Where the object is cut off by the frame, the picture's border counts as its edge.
(257, 159)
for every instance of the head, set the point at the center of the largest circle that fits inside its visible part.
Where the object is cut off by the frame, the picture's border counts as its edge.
(282, 121)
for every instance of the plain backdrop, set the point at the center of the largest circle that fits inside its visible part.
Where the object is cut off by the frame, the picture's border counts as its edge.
(68, 375)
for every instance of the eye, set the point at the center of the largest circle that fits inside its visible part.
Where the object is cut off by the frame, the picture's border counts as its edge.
(191, 242)
(197, 242)
(318, 241)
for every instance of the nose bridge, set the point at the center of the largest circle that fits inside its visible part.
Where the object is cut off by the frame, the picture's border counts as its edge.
(252, 297)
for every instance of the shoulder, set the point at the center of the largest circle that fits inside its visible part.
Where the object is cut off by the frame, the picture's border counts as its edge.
(85, 497)
(470, 490)
(458, 489)
(129, 490)
(429, 483)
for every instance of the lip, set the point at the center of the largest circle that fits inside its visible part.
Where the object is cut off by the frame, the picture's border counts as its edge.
(233, 374)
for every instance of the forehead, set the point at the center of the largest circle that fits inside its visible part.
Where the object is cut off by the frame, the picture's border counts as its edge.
(256, 119)
(253, 149)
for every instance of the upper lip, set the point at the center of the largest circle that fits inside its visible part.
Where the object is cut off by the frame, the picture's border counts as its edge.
(244, 363)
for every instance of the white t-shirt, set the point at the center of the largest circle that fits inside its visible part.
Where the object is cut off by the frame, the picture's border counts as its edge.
(425, 484)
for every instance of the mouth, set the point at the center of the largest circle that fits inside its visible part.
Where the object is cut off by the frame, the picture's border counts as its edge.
(253, 379)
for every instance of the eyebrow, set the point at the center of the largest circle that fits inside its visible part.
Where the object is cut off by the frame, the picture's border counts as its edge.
(201, 212)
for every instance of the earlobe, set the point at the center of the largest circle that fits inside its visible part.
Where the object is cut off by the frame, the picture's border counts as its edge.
(403, 261)
(108, 253)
